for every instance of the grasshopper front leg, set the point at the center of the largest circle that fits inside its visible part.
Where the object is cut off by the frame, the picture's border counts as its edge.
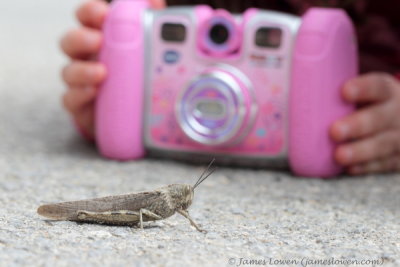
(185, 214)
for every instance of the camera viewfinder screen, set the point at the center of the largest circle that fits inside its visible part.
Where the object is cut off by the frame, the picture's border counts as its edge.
(173, 32)
(210, 108)
(269, 37)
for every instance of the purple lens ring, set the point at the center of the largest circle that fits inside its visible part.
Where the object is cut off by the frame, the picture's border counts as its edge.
(248, 108)
(241, 108)
(195, 91)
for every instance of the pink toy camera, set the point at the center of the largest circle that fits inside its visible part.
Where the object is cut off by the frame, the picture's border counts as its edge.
(262, 87)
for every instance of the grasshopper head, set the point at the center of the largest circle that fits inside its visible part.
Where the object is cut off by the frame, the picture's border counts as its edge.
(182, 195)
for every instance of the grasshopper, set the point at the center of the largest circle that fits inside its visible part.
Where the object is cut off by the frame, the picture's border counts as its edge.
(130, 209)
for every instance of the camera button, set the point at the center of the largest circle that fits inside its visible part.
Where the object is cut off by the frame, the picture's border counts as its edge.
(171, 57)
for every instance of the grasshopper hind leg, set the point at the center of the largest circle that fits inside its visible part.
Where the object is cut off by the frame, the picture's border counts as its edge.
(120, 217)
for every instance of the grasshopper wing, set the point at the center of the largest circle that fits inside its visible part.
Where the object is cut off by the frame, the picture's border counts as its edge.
(129, 202)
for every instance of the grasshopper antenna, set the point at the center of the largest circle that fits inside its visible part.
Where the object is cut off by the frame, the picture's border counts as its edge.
(205, 170)
(211, 172)
(202, 177)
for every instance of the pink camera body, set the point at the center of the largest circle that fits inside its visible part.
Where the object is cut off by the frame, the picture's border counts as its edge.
(262, 88)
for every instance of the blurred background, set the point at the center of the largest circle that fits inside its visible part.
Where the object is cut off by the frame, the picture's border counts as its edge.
(30, 64)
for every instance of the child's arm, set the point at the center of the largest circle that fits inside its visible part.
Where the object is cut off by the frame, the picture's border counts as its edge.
(83, 75)
(373, 131)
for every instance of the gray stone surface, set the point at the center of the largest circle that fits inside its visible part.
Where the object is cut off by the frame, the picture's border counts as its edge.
(249, 214)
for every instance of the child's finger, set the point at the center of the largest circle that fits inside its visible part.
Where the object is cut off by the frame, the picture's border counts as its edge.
(92, 13)
(80, 104)
(368, 149)
(157, 4)
(388, 164)
(81, 43)
(77, 98)
(363, 122)
(85, 123)
(81, 73)
(373, 87)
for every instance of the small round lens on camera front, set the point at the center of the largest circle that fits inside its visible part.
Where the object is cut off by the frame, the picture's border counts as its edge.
(219, 34)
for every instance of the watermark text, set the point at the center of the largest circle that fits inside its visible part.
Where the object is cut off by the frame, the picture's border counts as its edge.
(304, 262)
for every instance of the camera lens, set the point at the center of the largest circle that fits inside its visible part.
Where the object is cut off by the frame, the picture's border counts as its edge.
(217, 108)
(219, 34)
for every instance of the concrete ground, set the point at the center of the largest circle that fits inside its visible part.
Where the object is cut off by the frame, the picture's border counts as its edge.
(249, 214)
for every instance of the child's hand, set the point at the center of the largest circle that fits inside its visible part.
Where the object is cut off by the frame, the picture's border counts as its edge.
(82, 75)
(372, 132)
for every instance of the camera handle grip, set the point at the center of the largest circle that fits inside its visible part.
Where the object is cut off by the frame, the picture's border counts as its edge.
(325, 57)
(119, 104)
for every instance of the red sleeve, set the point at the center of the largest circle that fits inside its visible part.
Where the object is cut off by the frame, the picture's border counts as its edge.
(397, 75)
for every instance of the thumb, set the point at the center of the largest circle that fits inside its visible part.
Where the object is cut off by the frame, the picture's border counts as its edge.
(157, 4)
